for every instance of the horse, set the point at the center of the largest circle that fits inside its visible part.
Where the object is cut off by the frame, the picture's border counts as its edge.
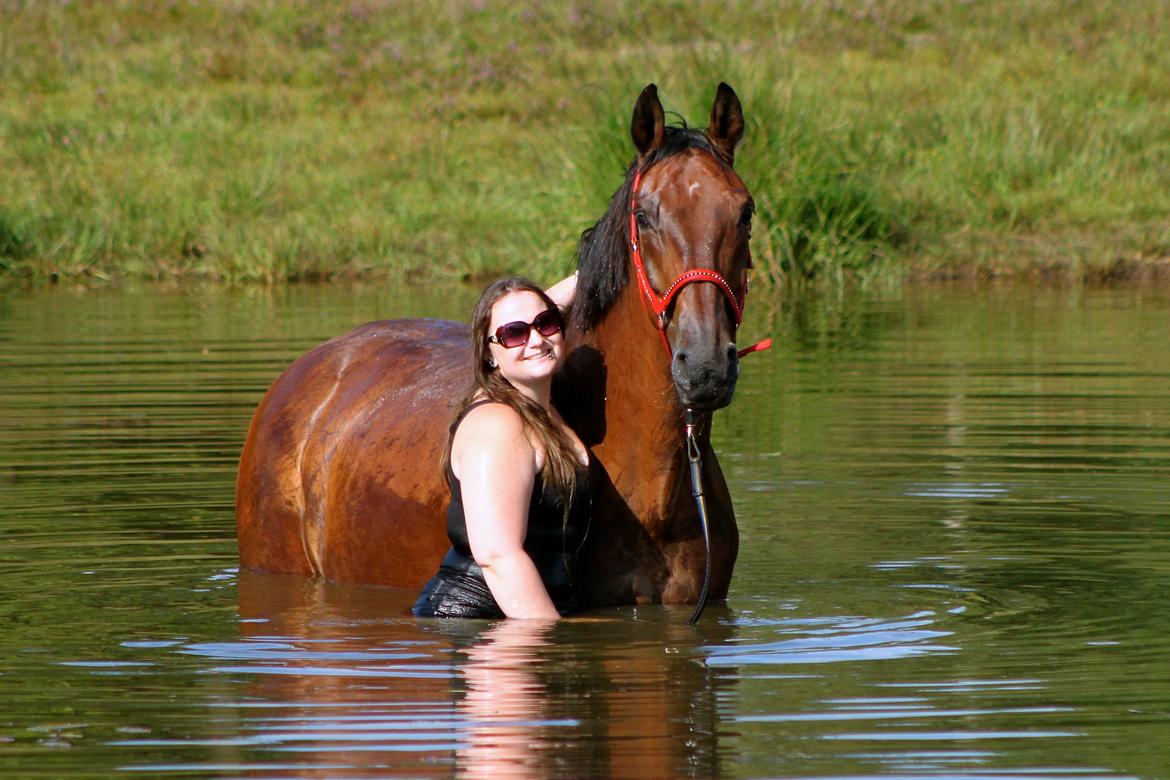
(339, 474)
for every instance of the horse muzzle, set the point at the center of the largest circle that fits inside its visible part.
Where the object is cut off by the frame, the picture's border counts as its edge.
(705, 378)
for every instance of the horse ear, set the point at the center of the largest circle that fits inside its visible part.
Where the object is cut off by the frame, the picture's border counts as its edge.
(726, 128)
(649, 123)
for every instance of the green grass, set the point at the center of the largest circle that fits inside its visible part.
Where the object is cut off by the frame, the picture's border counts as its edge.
(276, 141)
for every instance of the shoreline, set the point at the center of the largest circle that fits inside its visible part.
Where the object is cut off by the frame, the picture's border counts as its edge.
(1121, 272)
(448, 141)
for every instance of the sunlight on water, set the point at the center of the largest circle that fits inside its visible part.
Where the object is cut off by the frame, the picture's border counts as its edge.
(854, 639)
(955, 560)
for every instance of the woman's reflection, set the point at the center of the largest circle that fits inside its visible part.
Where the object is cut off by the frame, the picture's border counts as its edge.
(504, 702)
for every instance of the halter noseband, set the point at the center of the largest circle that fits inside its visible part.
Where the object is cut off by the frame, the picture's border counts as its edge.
(660, 303)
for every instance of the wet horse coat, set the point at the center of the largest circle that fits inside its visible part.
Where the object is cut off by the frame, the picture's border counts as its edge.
(339, 475)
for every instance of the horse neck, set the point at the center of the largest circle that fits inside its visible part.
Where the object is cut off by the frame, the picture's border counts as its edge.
(643, 448)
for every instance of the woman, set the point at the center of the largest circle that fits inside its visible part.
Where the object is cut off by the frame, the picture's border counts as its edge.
(518, 474)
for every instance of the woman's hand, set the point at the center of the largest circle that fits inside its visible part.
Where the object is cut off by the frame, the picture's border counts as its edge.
(496, 466)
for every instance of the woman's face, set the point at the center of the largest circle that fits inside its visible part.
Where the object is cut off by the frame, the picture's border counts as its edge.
(538, 357)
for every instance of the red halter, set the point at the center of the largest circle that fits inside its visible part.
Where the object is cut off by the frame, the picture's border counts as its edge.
(659, 304)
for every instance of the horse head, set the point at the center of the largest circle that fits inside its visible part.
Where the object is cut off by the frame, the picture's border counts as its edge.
(682, 221)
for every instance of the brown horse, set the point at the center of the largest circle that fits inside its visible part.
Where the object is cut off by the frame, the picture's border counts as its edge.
(339, 475)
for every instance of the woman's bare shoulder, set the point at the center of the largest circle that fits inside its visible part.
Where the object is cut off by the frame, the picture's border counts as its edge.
(494, 426)
(492, 435)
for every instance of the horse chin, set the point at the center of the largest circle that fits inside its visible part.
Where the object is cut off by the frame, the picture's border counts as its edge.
(708, 401)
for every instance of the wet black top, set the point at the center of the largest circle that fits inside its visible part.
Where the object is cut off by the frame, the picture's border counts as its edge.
(553, 541)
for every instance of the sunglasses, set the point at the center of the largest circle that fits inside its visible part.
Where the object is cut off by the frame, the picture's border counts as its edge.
(515, 334)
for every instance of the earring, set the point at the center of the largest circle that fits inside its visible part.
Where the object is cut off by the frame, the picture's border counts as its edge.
(491, 363)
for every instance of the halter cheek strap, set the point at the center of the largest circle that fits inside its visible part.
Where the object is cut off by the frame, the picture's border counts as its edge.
(660, 303)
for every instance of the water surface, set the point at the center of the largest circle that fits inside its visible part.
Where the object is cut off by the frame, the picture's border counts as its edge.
(955, 560)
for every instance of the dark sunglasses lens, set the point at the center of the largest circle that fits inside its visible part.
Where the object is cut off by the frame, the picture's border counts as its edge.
(548, 322)
(512, 335)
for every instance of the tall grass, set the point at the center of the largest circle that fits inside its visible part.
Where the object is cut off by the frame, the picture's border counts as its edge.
(289, 139)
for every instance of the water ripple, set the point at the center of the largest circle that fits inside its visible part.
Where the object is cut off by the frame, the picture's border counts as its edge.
(845, 639)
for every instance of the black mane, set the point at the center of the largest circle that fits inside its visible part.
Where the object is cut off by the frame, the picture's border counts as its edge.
(603, 256)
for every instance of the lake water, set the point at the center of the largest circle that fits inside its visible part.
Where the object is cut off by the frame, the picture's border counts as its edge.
(955, 559)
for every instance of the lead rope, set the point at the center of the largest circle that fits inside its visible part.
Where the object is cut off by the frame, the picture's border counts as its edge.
(693, 456)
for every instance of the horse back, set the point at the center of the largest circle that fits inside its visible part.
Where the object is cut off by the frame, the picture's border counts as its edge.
(340, 472)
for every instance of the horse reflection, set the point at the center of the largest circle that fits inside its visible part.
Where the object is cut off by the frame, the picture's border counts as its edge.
(361, 693)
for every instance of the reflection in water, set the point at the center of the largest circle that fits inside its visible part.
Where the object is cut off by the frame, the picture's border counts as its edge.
(503, 702)
(839, 639)
(330, 678)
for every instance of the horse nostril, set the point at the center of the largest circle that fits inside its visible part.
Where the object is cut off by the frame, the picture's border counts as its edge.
(678, 369)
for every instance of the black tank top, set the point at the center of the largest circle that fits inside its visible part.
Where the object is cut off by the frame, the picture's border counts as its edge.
(553, 540)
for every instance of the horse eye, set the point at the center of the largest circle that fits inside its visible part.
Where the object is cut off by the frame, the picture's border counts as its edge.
(643, 220)
(745, 220)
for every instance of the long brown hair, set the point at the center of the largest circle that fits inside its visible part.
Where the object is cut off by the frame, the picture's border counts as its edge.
(560, 459)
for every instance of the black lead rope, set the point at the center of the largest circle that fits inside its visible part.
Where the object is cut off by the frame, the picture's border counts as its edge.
(697, 491)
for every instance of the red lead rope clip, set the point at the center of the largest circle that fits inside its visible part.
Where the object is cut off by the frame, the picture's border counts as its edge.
(759, 346)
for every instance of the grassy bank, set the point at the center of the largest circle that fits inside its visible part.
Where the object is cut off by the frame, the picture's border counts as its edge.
(287, 140)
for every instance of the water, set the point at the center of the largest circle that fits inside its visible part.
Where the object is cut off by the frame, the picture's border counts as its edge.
(955, 560)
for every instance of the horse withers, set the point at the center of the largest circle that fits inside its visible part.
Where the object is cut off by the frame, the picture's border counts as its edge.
(340, 477)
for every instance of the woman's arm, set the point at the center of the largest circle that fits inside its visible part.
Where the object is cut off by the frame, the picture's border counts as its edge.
(496, 467)
(562, 292)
